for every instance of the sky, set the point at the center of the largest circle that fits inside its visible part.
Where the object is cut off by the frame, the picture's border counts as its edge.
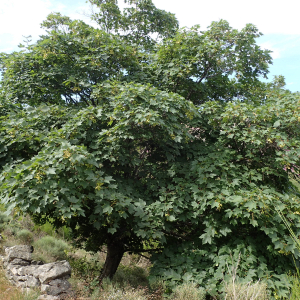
(277, 20)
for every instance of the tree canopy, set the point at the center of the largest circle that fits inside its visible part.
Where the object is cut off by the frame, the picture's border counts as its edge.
(170, 145)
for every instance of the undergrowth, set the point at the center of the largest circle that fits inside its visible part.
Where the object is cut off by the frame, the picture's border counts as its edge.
(130, 280)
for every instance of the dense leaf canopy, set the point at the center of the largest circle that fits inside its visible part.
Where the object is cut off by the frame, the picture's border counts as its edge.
(170, 145)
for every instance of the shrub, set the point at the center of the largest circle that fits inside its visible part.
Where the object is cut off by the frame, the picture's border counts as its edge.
(51, 248)
(4, 220)
(25, 236)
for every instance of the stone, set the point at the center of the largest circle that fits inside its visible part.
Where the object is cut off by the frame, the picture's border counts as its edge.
(25, 273)
(52, 271)
(14, 270)
(44, 287)
(58, 286)
(30, 270)
(20, 262)
(37, 262)
(22, 252)
(32, 282)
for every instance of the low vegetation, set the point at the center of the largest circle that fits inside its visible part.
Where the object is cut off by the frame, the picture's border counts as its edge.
(131, 279)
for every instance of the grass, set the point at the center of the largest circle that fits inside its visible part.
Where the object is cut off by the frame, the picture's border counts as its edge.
(113, 292)
(295, 292)
(9, 292)
(49, 248)
(188, 291)
(130, 280)
(236, 290)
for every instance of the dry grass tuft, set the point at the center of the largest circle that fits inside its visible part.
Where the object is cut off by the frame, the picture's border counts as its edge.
(235, 290)
(9, 292)
(115, 293)
(188, 291)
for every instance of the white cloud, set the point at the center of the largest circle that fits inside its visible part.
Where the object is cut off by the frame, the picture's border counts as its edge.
(270, 16)
(19, 18)
(23, 17)
(269, 46)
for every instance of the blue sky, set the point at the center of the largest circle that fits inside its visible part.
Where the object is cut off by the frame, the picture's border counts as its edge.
(277, 20)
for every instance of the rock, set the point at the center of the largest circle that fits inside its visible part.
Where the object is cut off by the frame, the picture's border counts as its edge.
(28, 270)
(37, 262)
(23, 272)
(20, 262)
(52, 271)
(56, 287)
(32, 282)
(59, 286)
(21, 252)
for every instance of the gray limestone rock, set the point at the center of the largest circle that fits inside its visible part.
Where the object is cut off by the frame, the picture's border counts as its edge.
(52, 271)
(20, 252)
(50, 278)
(58, 286)
(20, 262)
(32, 282)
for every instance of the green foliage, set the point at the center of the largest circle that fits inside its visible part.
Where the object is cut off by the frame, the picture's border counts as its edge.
(68, 168)
(47, 228)
(140, 22)
(229, 194)
(220, 63)
(25, 236)
(84, 268)
(4, 220)
(173, 147)
(49, 248)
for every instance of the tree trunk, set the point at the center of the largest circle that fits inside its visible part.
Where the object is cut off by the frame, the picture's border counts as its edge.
(115, 252)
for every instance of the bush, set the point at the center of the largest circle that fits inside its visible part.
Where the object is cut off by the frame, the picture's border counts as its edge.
(50, 248)
(4, 220)
(25, 236)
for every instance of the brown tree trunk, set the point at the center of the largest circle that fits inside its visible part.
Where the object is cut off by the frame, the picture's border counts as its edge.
(115, 252)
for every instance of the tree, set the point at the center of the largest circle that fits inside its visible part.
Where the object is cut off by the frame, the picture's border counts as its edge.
(99, 167)
(220, 64)
(140, 23)
(175, 148)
